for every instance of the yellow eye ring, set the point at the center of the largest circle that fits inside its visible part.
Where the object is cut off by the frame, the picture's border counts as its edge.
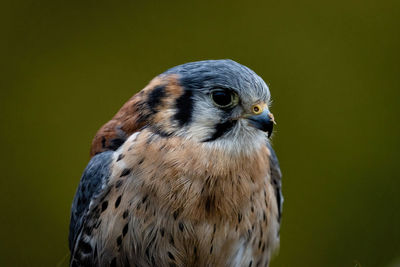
(257, 109)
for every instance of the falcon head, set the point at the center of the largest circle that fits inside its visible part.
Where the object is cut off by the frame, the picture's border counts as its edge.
(219, 102)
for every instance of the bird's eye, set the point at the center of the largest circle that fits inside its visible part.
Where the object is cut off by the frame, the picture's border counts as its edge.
(224, 98)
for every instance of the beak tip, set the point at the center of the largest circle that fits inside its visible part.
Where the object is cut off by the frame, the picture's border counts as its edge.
(263, 122)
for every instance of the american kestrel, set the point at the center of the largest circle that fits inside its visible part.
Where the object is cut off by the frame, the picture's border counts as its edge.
(183, 175)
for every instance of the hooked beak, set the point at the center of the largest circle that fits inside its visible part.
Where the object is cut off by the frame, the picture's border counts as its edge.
(264, 121)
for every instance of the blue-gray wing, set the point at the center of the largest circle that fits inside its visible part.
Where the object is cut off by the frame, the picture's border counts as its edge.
(95, 175)
(276, 179)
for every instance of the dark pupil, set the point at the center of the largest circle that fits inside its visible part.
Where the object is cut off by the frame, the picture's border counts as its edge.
(222, 98)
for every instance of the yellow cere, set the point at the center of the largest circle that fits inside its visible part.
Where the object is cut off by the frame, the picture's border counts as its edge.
(257, 109)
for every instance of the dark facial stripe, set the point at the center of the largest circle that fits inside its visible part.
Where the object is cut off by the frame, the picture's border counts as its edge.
(184, 106)
(221, 129)
(155, 96)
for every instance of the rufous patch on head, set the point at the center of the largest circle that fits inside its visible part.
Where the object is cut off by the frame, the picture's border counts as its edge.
(162, 96)
(174, 88)
(152, 84)
(173, 91)
(138, 111)
(130, 118)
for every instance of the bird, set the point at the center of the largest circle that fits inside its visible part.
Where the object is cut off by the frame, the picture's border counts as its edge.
(184, 174)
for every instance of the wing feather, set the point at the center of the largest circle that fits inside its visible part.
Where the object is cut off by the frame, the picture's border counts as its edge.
(95, 175)
(276, 178)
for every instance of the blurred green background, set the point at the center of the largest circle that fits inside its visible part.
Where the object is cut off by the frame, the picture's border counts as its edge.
(333, 70)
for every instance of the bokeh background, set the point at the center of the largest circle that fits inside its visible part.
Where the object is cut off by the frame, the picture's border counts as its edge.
(333, 70)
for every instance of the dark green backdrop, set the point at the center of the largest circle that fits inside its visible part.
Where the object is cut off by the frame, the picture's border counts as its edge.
(333, 70)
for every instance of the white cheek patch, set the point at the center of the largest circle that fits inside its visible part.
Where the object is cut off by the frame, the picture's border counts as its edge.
(204, 118)
(242, 139)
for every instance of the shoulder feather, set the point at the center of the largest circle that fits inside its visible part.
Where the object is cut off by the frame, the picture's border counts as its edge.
(276, 178)
(96, 174)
